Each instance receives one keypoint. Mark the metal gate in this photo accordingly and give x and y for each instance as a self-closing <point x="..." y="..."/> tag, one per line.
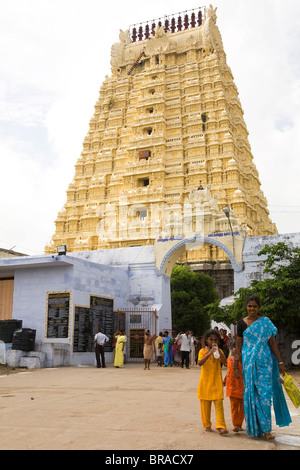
<point x="134" y="323"/>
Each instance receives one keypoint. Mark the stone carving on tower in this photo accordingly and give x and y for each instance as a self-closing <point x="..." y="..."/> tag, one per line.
<point x="167" y="146"/>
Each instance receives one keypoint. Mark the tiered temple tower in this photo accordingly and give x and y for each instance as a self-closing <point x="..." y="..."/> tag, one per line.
<point x="167" y="146"/>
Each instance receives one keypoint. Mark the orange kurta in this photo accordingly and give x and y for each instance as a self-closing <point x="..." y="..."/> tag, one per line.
<point x="234" y="390"/>
<point x="234" y="386"/>
<point x="210" y="384"/>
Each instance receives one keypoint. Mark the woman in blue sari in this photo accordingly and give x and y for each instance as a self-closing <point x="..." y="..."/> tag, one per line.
<point x="168" y="356"/>
<point x="261" y="366"/>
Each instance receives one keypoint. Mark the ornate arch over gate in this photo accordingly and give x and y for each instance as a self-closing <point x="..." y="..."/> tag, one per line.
<point x="167" y="252"/>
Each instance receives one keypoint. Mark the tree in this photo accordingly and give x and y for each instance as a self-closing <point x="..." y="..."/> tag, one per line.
<point x="279" y="292"/>
<point x="190" y="293"/>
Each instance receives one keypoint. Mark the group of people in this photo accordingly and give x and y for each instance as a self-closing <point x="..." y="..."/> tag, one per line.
<point x="176" y="350"/>
<point x="101" y="340"/>
<point x="169" y="350"/>
<point x="182" y="349"/>
<point x="253" y="369"/>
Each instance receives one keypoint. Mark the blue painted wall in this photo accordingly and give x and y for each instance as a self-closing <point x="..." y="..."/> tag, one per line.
<point x="128" y="275"/>
<point x="81" y="278"/>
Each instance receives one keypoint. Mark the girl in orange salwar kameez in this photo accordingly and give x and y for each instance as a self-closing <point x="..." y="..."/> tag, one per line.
<point x="234" y="390"/>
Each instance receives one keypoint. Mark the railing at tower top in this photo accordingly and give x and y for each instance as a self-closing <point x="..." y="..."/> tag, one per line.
<point x="173" y="23"/>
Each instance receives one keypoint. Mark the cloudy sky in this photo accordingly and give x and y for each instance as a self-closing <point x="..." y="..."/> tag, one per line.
<point x="56" y="53"/>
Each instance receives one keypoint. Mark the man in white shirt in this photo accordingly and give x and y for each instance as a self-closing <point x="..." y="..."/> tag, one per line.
<point x="99" y="341"/>
<point x="185" y="348"/>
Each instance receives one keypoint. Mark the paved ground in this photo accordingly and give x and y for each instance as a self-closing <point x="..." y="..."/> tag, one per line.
<point x="82" y="408"/>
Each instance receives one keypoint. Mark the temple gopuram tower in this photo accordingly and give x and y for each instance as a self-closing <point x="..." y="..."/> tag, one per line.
<point x="167" y="147"/>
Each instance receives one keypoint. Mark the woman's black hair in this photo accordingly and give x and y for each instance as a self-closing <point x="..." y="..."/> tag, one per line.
<point x="210" y="333"/>
<point x="253" y="298"/>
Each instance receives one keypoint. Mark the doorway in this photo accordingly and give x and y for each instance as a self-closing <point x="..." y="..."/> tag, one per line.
<point x="134" y="323"/>
<point x="6" y="297"/>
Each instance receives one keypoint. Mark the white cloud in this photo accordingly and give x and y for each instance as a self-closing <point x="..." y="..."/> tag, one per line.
<point x="54" y="57"/>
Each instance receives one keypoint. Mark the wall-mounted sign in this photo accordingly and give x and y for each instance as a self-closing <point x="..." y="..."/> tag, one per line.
<point x="58" y="315"/>
<point x="99" y="315"/>
<point x="135" y="318"/>
<point x="223" y="234"/>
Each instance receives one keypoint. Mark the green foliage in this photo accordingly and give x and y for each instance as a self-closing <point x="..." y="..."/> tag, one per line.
<point x="221" y="314"/>
<point x="190" y="293"/>
<point x="279" y="294"/>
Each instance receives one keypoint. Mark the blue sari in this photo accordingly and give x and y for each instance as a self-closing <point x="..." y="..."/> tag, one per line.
<point x="168" y="356"/>
<point x="260" y="375"/>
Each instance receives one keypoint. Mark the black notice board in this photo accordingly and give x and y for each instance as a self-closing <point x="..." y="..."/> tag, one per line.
<point x="100" y="315"/>
<point x="58" y="310"/>
<point x="82" y="328"/>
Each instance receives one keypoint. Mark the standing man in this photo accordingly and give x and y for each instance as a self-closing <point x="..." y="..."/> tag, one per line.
<point x="148" y="348"/>
<point x="185" y="348"/>
<point x="100" y="341"/>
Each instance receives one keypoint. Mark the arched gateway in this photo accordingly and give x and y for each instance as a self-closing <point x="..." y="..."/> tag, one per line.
<point x="168" y="251"/>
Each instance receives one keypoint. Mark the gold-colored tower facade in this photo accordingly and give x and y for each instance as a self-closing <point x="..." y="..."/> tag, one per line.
<point x="167" y="146"/>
